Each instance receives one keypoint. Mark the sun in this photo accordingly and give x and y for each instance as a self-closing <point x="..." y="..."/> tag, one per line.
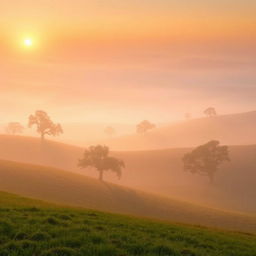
<point x="28" y="42"/>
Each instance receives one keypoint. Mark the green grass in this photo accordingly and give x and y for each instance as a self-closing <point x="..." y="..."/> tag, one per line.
<point x="30" y="227"/>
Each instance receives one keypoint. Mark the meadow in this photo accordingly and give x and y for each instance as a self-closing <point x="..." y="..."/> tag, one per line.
<point x="29" y="227"/>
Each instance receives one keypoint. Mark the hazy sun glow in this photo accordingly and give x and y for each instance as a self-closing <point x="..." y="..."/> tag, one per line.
<point x="28" y="42"/>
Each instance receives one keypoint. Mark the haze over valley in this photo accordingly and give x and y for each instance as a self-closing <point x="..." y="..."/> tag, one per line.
<point x="127" y="128"/>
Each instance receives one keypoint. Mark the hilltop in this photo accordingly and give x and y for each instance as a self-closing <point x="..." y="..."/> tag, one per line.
<point x="233" y="129"/>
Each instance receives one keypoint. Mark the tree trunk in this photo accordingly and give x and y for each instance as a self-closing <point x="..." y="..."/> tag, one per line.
<point x="42" y="137"/>
<point x="42" y="149"/>
<point x="101" y="175"/>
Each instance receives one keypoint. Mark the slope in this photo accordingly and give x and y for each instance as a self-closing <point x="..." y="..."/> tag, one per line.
<point x="235" y="129"/>
<point x="49" y="230"/>
<point x="73" y="189"/>
<point x="157" y="171"/>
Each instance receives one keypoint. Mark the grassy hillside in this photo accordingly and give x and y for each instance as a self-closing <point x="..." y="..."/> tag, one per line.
<point x="73" y="189"/>
<point x="29" y="227"/>
<point x="235" y="129"/>
<point x="158" y="171"/>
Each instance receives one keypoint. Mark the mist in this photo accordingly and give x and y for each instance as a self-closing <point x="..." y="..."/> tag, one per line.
<point x="118" y="114"/>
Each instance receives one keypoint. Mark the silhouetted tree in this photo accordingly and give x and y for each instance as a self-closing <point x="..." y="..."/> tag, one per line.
<point x="110" y="131"/>
<point x="44" y="124"/>
<point x="144" y="126"/>
<point x="210" y="112"/>
<point x="98" y="157"/>
<point x="14" y="128"/>
<point x="205" y="159"/>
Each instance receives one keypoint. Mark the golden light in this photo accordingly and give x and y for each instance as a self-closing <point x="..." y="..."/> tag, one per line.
<point x="28" y="42"/>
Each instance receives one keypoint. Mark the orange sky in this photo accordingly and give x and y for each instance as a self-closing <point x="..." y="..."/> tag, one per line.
<point x="124" y="61"/>
<point x="132" y="20"/>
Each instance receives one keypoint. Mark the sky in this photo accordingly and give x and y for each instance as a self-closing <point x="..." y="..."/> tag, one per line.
<point x="126" y="60"/>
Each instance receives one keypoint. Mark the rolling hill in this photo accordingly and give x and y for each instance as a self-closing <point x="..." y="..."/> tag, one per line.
<point x="64" y="187"/>
<point x="34" y="227"/>
<point x="234" y="129"/>
<point x="157" y="171"/>
<point x="162" y="171"/>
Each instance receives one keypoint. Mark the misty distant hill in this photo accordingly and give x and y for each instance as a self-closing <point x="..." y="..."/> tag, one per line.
<point x="64" y="187"/>
<point x="235" y="129"/>
<point x="81" y="133"/>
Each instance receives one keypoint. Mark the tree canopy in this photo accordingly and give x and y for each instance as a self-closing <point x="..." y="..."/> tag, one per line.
<point x="44" y="124"/>
<point x="98" y="158"/>
<point x="145" y="126"/>
<point x="14" y="128"/>
<point x="110" y="131"/>
<point x="205" y="159"/>
<point x="210" y="112"/>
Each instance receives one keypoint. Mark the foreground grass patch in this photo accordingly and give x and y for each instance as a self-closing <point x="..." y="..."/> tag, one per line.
<point x="32" y="228"/>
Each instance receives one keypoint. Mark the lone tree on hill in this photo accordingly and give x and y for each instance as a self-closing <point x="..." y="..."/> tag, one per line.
<point x="110" y="131"/>
<point x="210" y="112"/>
<point x="98" y="157"/>
<point x="44" y="124"/>
<point x="145" y="126"/>
<point x="205" y="159"/>
<point x="14" y="128"/>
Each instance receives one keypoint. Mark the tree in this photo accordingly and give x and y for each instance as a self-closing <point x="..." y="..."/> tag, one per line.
<point x="14" y="128"/>
<point x="110" y="131"/>
<point x="144" y="126"/>
<point x="44" y="124"/>
<point x="98" y="158"/>
<point x="205" y="159"/>
<point x="210" y="112"/>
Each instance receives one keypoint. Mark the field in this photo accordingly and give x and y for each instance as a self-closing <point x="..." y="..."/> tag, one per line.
<point x="29" y="227"/>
